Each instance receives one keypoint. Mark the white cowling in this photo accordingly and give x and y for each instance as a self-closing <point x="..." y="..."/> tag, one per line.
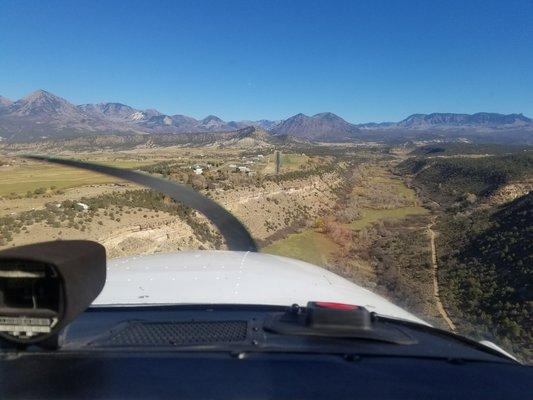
<point x="230" y="277"/>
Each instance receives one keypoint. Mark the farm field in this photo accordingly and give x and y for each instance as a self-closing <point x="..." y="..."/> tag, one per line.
<point x="24" y="176"/>
<point x="289" y="162"/>
<point x="370" y="216"/>
<point x="309" y="245"/>
<point x="21" y="179"/>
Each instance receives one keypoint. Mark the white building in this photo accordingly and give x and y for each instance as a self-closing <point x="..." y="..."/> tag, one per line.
<point x="83" y="206"/>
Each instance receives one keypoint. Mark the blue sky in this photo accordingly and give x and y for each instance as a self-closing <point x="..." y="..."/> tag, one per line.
<point x="364" y="60"/>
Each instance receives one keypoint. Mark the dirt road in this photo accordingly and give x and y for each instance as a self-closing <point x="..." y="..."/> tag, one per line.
<point x="434" y="266"/>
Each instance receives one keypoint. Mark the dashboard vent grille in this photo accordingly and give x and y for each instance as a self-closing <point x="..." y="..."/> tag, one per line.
<point x="176" y="334"/>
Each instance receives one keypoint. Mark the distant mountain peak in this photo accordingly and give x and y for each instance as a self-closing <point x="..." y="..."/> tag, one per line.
<point x="40" y="95"/>
<point x="39" y="92"/>
<point x="212" y="122"/>
<point x="322" y="126"/>
<point x="42" y="113"/>
<point x="300" y="116"/>
<point x="113" y="105"/>
<point x="210" y="118"/>
<point x="42" y="102"/>
<point x="328" y="116"/>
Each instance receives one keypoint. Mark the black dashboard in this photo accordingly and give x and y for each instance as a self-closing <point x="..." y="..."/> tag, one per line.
<point x="225" y="352"/>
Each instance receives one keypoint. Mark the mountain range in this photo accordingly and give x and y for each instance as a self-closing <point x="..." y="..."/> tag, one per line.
<point x="449" y="120"/>
<point x="43" y="114"/>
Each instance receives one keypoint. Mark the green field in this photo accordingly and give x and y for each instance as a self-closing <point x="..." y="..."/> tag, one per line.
<point x="380" y="176"/>
<point x="369" y="216"/>
<point x="289" y="162"/>
<point x="308" y="245"/>
<point x="399" y="187"/>
<point x="316" y="248"/>
<point x="293" y="160"/>
<point x="29" y="176"/>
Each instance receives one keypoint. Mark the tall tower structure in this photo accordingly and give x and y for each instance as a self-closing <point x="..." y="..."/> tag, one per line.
<point x="278" y="161"/>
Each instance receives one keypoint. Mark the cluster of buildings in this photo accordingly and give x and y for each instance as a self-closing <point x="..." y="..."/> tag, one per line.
<point x="244" y="166"/>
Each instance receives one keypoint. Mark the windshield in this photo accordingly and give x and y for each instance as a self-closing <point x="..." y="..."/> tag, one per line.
<point x="360" y="138"/>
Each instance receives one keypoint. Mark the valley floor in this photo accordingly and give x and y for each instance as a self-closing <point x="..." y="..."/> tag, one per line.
<point x="345" y="215"/>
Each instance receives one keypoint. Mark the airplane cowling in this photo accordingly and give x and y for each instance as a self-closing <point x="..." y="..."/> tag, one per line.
<point x="232" y="277"/>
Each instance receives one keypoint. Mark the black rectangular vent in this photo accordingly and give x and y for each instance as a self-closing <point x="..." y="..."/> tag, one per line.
<point x="176" y="334"/>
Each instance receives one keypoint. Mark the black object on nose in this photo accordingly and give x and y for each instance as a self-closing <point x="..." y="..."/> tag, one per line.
<point x="44" y="286"/>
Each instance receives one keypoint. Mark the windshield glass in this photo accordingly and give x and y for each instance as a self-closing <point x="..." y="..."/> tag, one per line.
<point x="282" y="115"/>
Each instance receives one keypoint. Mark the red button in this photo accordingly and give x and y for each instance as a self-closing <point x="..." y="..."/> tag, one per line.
<point x="336" y="306"/>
